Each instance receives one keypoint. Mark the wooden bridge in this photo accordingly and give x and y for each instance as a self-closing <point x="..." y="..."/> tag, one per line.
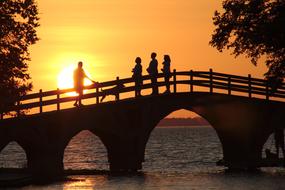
<point x="223" y="83"/>
<point x="243" y="110"/>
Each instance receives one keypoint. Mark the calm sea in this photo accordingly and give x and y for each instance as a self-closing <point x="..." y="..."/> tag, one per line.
<point x="176" y="158"/>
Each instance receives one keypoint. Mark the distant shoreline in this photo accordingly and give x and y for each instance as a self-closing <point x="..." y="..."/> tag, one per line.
<point x="171" y="122"/>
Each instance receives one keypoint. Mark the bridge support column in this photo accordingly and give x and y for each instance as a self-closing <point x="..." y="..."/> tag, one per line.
<point x="45" y="164"/>
<point x="243" y="149"/>
<point x="3" y="144"/>
<point x="241" y="155"/>
<point x="4" y="138"/>
<point x="123" y="155"/>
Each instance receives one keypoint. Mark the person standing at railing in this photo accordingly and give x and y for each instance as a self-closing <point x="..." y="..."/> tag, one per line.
<point x="137" y="76"/>
<point x="78" y="79"/>
<point x="152" y="71"/>
<point x="166" y="72"/>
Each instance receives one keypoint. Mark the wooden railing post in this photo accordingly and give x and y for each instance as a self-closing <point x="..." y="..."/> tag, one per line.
<point x="249" y="86"/>
<point x="97" y="97"/>
<point x="18" y="108"/>
<point x="174" y="81"/>
<point x="211" y="81"/>
<point x="229" y="86"/>
<point x="58" y="100"/>
<point x="41" y="100"/>
<point x="118" y="93"/>
<point x="267" y="91"/>
<point x="191" y="81"/>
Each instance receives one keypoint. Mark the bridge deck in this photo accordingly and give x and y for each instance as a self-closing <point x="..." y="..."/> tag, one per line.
<point x="188" y="81"/>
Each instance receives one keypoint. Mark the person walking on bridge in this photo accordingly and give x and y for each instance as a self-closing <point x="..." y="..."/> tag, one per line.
<point x="78" y="79"/>
<point x="152" y="70"/>
<point x="137" y="76"/>
<point x="166" y="72"/>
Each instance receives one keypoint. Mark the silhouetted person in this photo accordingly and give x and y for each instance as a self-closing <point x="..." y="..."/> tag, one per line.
<point x="78" y="79"/>
<point x="279" y="141"/>
<point x="152" y="70"/>
<point x="137" y="76"/>
<point x="166" y="72"/>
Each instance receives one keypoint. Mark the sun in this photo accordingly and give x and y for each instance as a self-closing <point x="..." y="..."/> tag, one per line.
<point x="65" y="78"/>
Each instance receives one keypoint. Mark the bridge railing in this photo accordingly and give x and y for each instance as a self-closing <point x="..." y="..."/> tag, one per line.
<point x="224" y="83"/>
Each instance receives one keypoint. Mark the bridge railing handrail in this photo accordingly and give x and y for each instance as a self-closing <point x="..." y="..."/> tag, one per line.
<point x="210" y="79"/>
<point x="221" y="76"/>
<point x="202" y="74"/>
<point x="92" y="86"/>
<point x="73" y="98"/>
<point x="237" y="79"/>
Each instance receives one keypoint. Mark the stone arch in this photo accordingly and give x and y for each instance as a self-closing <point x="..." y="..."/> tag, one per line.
<point x="85" y="150"/>
<point x="13" y="155"/>
<point x="274" y="121"/>
<point x="166" y="105"/>
<point x="242" y="124"/>
<point x="269" y="144"/>
<point x="190" y="110"/>
<point x="169" y="145"/>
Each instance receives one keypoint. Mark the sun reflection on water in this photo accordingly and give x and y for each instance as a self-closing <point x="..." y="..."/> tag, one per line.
<point x="82" y="184"/>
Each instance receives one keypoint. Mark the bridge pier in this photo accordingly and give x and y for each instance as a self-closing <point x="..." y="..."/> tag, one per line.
<point x="123" y="155"/>
<point x="45" y="163"/>
<point x="241" y="153"/>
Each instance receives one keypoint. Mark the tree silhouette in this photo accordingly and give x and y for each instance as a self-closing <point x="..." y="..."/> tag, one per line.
<point x="254" y="28"/>
<point x="18" y="20"/>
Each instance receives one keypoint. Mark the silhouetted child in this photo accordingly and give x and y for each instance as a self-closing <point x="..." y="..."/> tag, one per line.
<point x="78" y="79"/>
<point x="137" y="76"/>
<point x="152" y="70"/>
<point x="166" y="72"/>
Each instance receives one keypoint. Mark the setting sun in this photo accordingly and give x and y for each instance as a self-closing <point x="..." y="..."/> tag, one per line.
<point x="65" y="78"/>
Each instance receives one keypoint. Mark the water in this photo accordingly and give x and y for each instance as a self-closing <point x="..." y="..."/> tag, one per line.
<point x="176" y="158"/>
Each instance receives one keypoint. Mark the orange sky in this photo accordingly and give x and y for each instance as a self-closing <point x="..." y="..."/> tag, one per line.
<point x="107" y="35"/>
